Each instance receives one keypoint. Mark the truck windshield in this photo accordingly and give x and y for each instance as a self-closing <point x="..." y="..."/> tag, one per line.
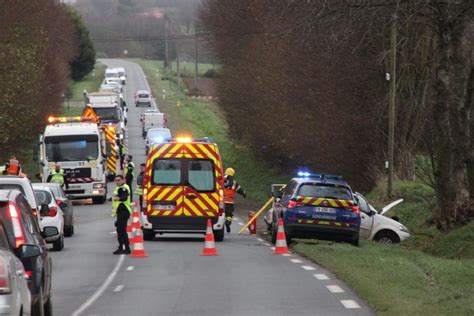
<point x="72" y="148"/>
<point x="108" y="114"/>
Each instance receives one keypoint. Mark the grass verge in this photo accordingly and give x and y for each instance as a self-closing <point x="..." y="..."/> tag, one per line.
<point x="91" y="82"/>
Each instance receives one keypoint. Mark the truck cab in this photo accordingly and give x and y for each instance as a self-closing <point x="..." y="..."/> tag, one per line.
<point x="79" y="149"/>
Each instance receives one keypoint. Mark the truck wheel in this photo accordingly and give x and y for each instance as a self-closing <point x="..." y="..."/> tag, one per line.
<point x="219" y="235"/>
<point x="148" y="234"/>
<point x="98" y="200"/>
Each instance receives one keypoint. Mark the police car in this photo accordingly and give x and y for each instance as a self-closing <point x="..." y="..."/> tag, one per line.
<point x="316" y="205"/>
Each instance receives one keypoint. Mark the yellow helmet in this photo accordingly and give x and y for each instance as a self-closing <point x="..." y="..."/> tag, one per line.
<point x="230" y="172"/>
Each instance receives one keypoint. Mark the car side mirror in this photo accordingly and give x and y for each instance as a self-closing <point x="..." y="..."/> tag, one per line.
<point x="372" y="213"/>
<point x="50" y="233"/>
<point x="44" y="209"/>
<point x="28" y="251"/>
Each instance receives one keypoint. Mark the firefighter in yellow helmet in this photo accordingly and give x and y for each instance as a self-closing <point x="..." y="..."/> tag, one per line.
<point x="230" y="188"/>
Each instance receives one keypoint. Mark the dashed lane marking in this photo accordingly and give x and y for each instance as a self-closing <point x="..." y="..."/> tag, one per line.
<point x="101" y="289"/>
<point x="335" y="289"/>
<point x="308" y="268"/>
<point x="130" y="268"/>
<point x="296" y="261"/>
<point x="350" y="304"/>
<point x="267" y="244"/>
<point x="259" y="239"/>
<point x="119" y="288"/>
<point x="286" y="254"/>
<point x="321" y="276"/>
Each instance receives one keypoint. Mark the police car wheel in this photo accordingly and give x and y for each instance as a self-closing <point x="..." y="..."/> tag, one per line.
<point x="148" y="234"/>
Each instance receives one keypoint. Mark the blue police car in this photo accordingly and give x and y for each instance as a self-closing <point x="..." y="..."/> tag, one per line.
<point x="316" y="205"/>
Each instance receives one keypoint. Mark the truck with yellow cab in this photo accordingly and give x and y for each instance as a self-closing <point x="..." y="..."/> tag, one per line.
<point x="77" y="144"/>
<point x="183" y="188"/>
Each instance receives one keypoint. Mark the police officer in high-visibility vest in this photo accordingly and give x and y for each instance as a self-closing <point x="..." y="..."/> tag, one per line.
<point x="139" y="187"/>
<point x="230" y="188"/>
<point x="129" y="173"/>
<point x="58" y="176"/>
<point x="121" y="209"/>
<point x="122" y="150"/>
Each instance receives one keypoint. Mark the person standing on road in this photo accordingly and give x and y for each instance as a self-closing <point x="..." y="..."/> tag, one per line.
<point x="130" y="173"/>
<point x="58" y="176"/>
<point x="230" y="188"/>
<point x="121" y="209"/>
<point x="121" y="147"/>
<point x="139" y="187"/>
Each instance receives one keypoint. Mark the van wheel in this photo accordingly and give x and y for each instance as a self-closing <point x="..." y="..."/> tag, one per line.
<point x="219" y="235"/>
<point x="148" y="234"/>
<point x="38" y="308"/>
<point x="48" y="307"/>
<point x="58" y="245"/>
<point x="387" y="237"/>
<point x="98" y="200"/>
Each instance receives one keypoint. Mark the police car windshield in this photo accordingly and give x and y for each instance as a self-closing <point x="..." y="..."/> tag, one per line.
<point x="72" y="148"/>
<point x="108" y="114"/>
<point x="324" y="191"/>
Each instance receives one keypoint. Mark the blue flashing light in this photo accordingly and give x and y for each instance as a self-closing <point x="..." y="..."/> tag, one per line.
<point x="322" y="176"/>
<point x="304" y="174"/>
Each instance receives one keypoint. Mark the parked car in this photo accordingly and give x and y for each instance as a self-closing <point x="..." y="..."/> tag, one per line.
<point x="317" y="206"/>
<point x="24" y="185"/>
<point x="143" y="97"/>
<point x="156" y="135"/>
<point x="29" y="244"/>
<point x="375" y="226"/>
<point x="51" y="214"/>
<point x="66" y="205"/>
<point x="15" y="297"/>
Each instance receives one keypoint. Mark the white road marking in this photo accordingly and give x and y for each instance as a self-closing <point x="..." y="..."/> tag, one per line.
<point x="308" y="268"/>
<point x="119" y="288"/>
<point x="296" y="261"/>
<point x="101" y="289"/>
<point x="350" y="304"/>
<point x="260" y="239"/>
<point x="321" y="276"/>
<point x="112" y="233"/>
<point x="267" y="244"/>
<point x="286" y="254"/>
<point x="130" y="268"/>
<point x="335" y="289"/>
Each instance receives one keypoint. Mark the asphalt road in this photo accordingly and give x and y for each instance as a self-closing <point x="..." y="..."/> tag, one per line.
<point x="246" y="279"/>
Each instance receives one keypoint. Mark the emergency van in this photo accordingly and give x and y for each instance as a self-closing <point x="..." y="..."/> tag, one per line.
<point x="77" y="144"/>
<point x="151" y="119"/>
<point x="183" y="188"/>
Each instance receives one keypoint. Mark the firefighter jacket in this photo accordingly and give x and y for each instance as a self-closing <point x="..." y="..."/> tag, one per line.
<point x="230" y="188"/>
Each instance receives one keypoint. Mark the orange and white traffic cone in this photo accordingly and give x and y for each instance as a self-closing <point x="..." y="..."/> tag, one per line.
<point x="281" y="247"/>
<point x="131" y="237"/>
<point x="209" y="244"/>
<point x="138" y="247"/>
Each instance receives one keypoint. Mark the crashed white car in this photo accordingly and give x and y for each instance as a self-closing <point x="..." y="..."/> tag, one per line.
<point x="375" y="226"/>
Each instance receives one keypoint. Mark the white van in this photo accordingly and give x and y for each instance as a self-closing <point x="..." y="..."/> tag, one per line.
<point x="122" y="74"/>
<point x="111" y="73"/>
<point x="151" y="119"/>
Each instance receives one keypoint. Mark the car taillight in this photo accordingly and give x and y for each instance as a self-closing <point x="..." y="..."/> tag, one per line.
<point x="293" y="204"/>
<point x="28" y="274"/>
<point x="58" y="202"/>
<point x="53" y="210"/>
<point x="17" y="228"/>
<point x="356" y="209"/>
<point x="5" y="287"/>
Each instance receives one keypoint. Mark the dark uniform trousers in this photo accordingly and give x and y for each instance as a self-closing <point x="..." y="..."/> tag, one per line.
<point x="122" y="219"/>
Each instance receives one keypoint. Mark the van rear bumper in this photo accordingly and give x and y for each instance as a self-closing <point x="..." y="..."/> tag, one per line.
<point x="182" y="224"/>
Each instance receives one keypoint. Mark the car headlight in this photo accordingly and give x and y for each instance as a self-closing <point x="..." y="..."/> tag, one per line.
<point x="98" y="186"/>
<point x="403" y="229"/>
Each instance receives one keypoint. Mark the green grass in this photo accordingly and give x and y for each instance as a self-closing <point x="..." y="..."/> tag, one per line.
<point x="72" y="111"/>
<point x="204" y="118"/>
<point x="397" y="281"/>
<point x="90" y="83"/>
<point x="187" y="69"/>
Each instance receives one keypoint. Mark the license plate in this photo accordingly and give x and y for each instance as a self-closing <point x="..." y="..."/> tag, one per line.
<point x="325" y="210"/>
<point x="159" y="207"/>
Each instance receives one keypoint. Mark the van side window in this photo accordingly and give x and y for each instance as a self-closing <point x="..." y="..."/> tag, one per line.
<point x="166" y="171"/>
<point x="201" y="175"/>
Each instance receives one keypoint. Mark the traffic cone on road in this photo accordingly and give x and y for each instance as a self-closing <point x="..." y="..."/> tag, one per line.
<point x="281" y="247"/>
<point x="136" y="224"/>
<point x="131" y="237"/>
<point x="138" y="247"/>
<point x="209" y="244"/>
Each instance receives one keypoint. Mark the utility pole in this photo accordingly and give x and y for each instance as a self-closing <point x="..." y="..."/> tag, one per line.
<point x="166" y="63"/>
<point x="178" y="75"/>
<point x="196" y="80"/>
<point x="392" y="98"/>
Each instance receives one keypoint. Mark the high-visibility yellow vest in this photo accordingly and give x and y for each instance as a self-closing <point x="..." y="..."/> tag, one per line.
<point x="57" y="176"/>
<point x="138" y="190"/>
<point x="127" y="203"/>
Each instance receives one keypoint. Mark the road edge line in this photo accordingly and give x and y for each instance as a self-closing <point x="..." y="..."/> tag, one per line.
<point x="101" y="289"/>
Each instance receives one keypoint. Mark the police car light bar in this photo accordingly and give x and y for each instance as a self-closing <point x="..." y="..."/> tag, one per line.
<point x="70" y="119"/>
<point x="322" y="176"/>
